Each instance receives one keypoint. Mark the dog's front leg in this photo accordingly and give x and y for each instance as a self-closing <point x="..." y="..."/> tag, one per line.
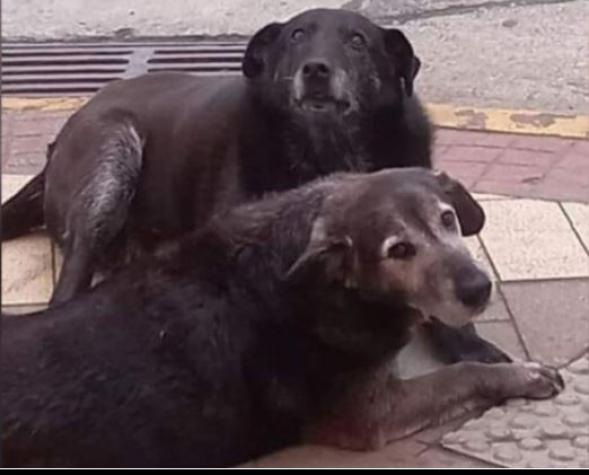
<point x="377" y="408"/>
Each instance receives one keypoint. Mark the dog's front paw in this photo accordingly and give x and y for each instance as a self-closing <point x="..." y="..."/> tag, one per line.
<point x="535" y="381"/>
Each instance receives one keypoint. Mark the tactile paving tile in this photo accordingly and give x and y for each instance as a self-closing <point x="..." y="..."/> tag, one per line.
<point x="533" y="434"/>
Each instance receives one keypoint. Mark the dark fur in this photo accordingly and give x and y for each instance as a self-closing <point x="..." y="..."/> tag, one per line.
<point x="200" y="145"/>
<point x="213" y="352"/>
<point x="208" y="143"/>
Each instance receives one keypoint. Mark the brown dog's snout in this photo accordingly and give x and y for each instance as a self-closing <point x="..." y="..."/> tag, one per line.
<point x="473" y="287"/>
<point x="316" y="69"/>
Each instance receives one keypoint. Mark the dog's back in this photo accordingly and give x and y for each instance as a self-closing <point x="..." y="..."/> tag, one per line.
<point x="153" y="375"/>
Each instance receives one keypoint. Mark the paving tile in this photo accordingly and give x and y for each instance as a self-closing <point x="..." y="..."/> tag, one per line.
<point x="538" y="143"/>
<point x="433" y="435"/>
<point x="27" y="270"/>
<point x="579" y="216"/>
<point x="438" y="153"/>
<point x="417" y="358"/>
<point x="26" y="262"/>
<point x="490" y="197"/>
<point x="475" y="247"/>
<point x="496" y="309"/>
<point x="24" y="164"/>
<point x="466" y="173"/>
<point x="552" y="317"/>
<point x="450" y="137"/>
<point x="569" y="176"/>
<point x="561" y="185"/>
<point x="532" y="240"/>
<point x="436" y="457"/>
<point x="504" y="336"/>
<point x="582" y="146"/>
<point x="512" y="173"/>
<point x="469" y="153"/>
<point x="528" y="158"/>
<point x="12" y="183"/>
<point x="32" y="123"/>
<point x="575" y="160"/>
<point x="403" y="453"/>
<point x="551" y="433"/>
<point x="514" y="189"/>
<point x="463" y="137"/>
<point x="22" y="309"/>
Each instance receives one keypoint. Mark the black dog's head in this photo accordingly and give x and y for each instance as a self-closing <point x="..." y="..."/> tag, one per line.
<point x="331" y="62"/>
<point x="397" y="235"/>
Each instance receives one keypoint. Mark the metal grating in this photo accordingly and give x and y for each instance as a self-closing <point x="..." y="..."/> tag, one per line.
<point x="81" y="69"/>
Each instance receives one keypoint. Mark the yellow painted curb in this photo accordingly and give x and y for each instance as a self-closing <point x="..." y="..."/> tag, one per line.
<point x="509" y="121"/>
<point x="443" y="115"/>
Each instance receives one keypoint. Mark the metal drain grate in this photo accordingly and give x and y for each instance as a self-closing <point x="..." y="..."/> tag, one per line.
<point x="81" y="69"/>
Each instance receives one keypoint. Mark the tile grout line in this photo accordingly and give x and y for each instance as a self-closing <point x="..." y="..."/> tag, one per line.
<point x="487" y="168"/>
<point x="573" y="227"/>
<point x="546" y="279"/>
<point x="505" y="301"/>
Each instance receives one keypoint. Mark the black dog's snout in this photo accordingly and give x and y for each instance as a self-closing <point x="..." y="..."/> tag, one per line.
<point x="473" y="288"/>
<point x="316" y="69"/>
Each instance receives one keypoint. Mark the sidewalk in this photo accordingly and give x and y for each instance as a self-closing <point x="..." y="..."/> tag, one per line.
<point x="535" y="191"/>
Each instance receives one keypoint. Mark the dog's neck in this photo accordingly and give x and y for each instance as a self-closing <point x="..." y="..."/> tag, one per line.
<point x="265" y="238"/>
<point x="325" y="145"/>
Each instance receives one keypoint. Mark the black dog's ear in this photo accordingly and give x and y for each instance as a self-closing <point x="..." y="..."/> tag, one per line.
<point x="470" y="214"/>
<point x="253" y="60"/>
<point x="324" y="255"/>
<point x="398" y="46"/>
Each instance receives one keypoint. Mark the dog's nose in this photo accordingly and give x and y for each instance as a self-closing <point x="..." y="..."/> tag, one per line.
<point x="473" y="288"/>
<point x="318" y="69"/>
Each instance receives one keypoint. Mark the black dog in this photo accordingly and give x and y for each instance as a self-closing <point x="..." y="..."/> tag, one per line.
<point x="151" y="158"/>
<point x="277" y="319"/>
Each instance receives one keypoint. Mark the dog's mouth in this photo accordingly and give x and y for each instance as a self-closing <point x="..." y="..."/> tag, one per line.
<point x="323" y="104"/>
<point x="456" y="319"/>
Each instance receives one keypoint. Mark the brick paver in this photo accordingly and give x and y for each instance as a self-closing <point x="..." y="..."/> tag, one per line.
<point x="516" y="165"/>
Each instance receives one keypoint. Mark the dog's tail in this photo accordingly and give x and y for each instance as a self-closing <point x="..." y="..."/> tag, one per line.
<point x="23" y="212"/>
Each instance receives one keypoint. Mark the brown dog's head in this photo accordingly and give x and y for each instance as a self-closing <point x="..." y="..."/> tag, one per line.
<point x="397" y="234"/>
<point x="331" y="62"/>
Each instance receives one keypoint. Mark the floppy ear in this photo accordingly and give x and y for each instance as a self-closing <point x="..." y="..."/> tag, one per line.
<point x="253" y="60"/>
<point x="470" y="214"/>
<point x="398" y="46"/>
<point x="324" y="255"/>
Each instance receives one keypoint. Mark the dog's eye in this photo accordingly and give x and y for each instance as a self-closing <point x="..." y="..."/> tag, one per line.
<point x="402" y="250"/>
<point x="448" y="220"/>
<point x="358" y="41"/>
<point x="297" y="35"/>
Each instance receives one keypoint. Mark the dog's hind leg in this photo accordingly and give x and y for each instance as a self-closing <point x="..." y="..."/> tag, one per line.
<point x="101" y="208"/>
<point x="378" y="408"/>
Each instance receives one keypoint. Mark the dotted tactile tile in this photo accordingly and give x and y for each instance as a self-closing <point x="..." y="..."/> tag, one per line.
<point x="533" y="434"/>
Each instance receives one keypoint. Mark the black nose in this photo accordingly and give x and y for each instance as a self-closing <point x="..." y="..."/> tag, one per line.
<point x="317" y="69"/>
<point x="473" y="288"/>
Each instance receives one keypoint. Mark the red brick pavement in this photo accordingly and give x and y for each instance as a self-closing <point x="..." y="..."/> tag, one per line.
<point x="519" y="165"/>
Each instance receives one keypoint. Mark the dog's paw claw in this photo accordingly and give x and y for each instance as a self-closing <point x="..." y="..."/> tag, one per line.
<point x="540" y="382"/>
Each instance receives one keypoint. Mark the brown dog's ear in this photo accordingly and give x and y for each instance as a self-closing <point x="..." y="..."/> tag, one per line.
<point x="398" y="46"/>
<point x="253" y="60"/>
<point x="470" y="214"/>
<point x="324" y="255"/>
